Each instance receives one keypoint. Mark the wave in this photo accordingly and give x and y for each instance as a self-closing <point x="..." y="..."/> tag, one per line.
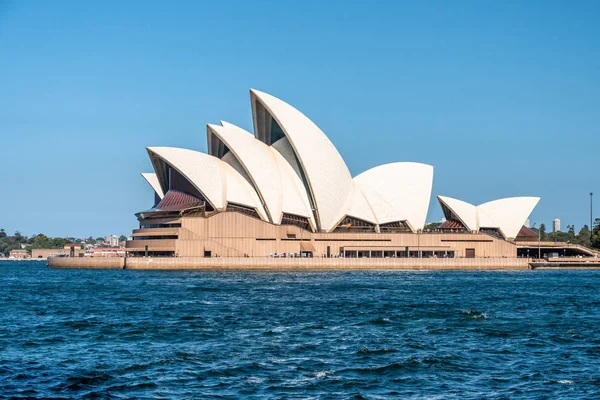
<point x="384" y="350"/>
<point x="475" y="314"/>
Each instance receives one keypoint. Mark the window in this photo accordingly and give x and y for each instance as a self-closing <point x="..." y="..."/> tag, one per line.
<point x="291" y="219"/>
<point x="276" y="131"/>
<point x="354" y="224"/>
<point x="397" y="226"/>
<point x="155" y="237"/>
<point x="242" y="209"/>
<point x="149" y="226"/>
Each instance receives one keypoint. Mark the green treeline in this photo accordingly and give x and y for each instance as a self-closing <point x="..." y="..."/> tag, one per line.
<point x="582" y="238"/>
<point x="41" y="241"/>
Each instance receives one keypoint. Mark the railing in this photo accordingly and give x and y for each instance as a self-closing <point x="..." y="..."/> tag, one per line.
<point x="535" y="244"/>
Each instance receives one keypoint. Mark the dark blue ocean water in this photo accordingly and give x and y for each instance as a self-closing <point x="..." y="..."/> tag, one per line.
<point x="462" y="335"/>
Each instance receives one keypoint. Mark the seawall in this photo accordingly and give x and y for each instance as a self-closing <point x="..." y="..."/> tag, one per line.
<point x="87" y="262"/>
<point x="282" y="264"/>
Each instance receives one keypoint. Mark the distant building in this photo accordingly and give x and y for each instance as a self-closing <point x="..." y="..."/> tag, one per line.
<point x="556" y="225"/>
<point x="527" y="223"/>
<point x="112" y="240"/>
<point x="74" y="250"/>
<point x="108" y="252"/>
<point x="19" y="254"/>
<point x="69" y="250"/>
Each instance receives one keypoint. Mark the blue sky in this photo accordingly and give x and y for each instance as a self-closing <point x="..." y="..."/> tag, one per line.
<point x="501" y="97"/>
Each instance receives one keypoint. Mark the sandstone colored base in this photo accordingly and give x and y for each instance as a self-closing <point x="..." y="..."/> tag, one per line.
<point x="241" y="263"/>
<point x="89" y="263"/>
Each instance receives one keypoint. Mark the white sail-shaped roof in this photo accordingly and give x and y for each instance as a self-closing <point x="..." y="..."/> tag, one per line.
<point x="461" y="210"/>
<point x="508" y="215"/>
<point x="218" y="181"/>
<point x="398" y="192"/>
<point x="259" y="163"/>
<point x="273" y="178"/>
<point x="293" y="194"/>
<point x="328" y="180"/>
<point x="152" y="180"/>
<point x="360" y="207"/>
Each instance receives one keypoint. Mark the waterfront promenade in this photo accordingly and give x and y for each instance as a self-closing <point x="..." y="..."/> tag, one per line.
<point x="268" y="263"/>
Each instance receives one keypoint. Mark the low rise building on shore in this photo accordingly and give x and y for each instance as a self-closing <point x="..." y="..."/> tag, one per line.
<point x="69" y="250"/>
<point x="107" y="252"/>
<point x="19" y="254"/>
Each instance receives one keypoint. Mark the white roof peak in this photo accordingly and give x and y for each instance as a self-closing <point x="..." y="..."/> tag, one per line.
<point x="507" y="214"/>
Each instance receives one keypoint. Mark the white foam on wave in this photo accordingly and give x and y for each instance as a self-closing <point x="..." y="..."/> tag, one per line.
<point x="475" y="314"/>
<point x="565" y="382"/>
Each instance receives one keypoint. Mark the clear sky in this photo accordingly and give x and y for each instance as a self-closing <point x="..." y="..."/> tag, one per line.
<point x="502" y="98"/>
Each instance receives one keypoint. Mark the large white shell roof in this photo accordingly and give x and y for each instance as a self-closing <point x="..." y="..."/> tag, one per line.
<point x="218" y="181"/>
<point x="507" y="214"/>
<point x="398" y="192"/>
<point x="329" y="181"/>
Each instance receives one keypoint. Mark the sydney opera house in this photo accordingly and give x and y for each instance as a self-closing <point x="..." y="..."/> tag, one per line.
<point x="286" y="191"/>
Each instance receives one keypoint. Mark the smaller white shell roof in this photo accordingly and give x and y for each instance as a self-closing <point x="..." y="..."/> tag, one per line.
<point x="507" y="214"/>
<point x="258" y="162"/>
<point x="398" y="192"/>
<point x="218" y="181"/>
<point x="152" y="180"/>
<point x="465" y="212"/>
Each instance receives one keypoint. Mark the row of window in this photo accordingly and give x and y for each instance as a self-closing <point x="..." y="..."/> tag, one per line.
<point x="155" y="237"/>
<point x="149" y="226"/>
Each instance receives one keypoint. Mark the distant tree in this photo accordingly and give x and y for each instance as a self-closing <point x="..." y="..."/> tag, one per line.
<point x="542" y="232"/>
<point x="2" y="233"/>
<point x="571" y="229"/>
<point x="596" y="234"/>
<point x="99" y="239"/>
<point x="583" y="237"/>
<point x="42" y="241"/>
<point x="40" y="238"/>
<point x="122" y="238"/>
<point x="18" y="237"/>
<point x="560" y="237"/>
<point x="596" y="241"/>
<point x="58" y="243"/>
